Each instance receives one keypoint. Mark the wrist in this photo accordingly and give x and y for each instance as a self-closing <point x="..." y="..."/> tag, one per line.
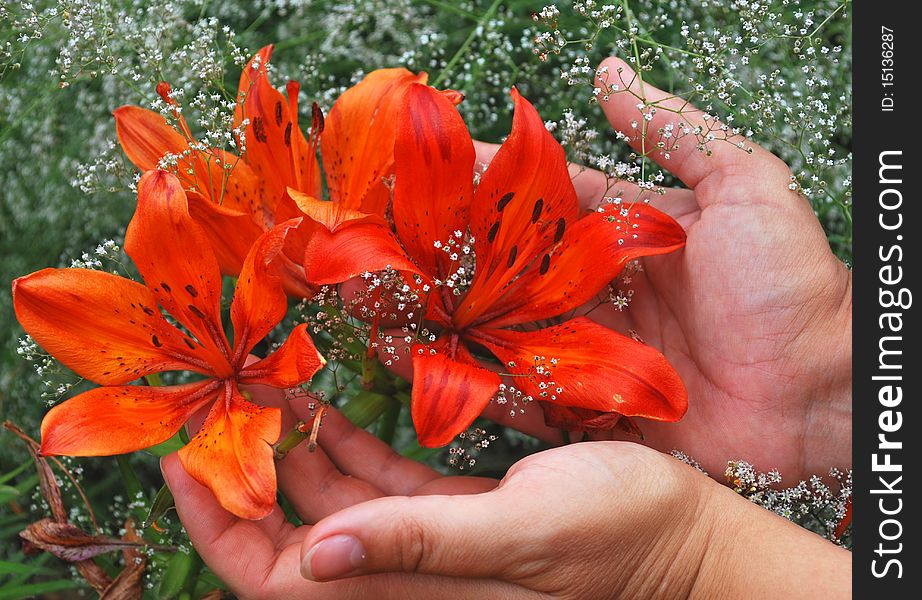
<point x="828" y="421"/>
<point x="671" y="544"/>
<point x="751" y="552"/>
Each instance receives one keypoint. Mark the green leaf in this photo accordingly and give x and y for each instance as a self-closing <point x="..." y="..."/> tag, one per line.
<point x="15" y="568"/>
<point x="163" y="502"/>
<point x="11" y="474"/>
<point x="364" y="408"/>
<point x="7" y="493"/>
<point x="168" y="447"/>
<point x="180" y="570"/>
<point x="32" y="590"/>
<point x="418" y="453"/>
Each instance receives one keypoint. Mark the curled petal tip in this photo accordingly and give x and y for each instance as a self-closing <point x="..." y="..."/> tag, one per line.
<point x="165" y="91"/>
<point x="453" y="96"/>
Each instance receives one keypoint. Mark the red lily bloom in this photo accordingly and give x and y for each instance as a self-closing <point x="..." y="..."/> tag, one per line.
<point x="536" y="259"/>
<point x="250" y="197"/>
<point x="110" y="330"/>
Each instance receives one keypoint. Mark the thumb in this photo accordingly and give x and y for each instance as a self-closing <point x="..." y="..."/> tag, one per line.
<point x="437" y="535"/>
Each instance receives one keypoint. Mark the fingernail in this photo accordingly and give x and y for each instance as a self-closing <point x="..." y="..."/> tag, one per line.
<point x="333" y="557"/>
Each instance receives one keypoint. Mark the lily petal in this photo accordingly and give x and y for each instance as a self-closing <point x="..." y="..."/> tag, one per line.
<point x="294" y="363"/>
<point x="591" y="253"/>
<point x="276" y="148"/>
<point x="523" y="203"/>
<point x="434" y="159"/>
<point x="146" y="138"/>
<point x="597" y="368"/>
<point x="117" y="420"/>
<point x="216" y="221"/>
<point x="573" y="418"/>
<point x="259" y="300"/>
<point x="232" y="454"/>
<point x="177" y="261"/>
<point x="450" y="390"/>
<point x="105" y="328"/>
<point x="353" y="249"/>
<point x="357" y="145"/>
<point x="330" y="214"/>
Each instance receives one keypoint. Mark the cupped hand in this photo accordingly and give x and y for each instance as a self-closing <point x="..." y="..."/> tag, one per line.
<point x="388" y="527"/>
<point x="590" y="520"/>
<point x="754" y="313"/>
<point x="261" y="559"/>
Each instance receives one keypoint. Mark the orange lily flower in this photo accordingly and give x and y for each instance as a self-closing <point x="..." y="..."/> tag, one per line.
<point x="247" y="195"/>
<point x="536" y="259"/>
<point x="110" y="330"/>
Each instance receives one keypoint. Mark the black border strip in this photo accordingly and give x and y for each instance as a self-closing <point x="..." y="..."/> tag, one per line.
<point x="886" y="265"/>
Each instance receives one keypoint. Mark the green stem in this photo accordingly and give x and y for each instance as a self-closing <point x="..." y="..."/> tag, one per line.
<point x="387" y="426"/>
<point x="291" y="440"/>
<point x="462" y="51"/>
<point x="452" y="8"/>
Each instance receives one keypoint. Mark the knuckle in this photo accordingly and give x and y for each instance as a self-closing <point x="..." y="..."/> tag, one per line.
<point x="412" y="544"/>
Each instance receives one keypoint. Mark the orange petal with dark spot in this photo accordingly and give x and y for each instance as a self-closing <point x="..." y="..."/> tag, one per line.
<point x="232" y="454"/>
<point x="177" y="262"/>
<point x="597" y="368"/>
<point x="259" y="300"/>
<point x="276" y="148"/>
<point x="117" y="420"/>
<point x="105" y="328"/>
<point x="520" y="201"/>
<point x="591" y="253"/>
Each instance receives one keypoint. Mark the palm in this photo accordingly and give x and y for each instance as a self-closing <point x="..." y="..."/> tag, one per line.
<point x="736" y="313"/>
<point x="754" y="312"/>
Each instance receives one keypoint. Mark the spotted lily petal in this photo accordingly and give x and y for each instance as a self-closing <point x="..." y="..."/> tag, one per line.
<point x="116" y="420"/>
<point x="259" y="300"/>
<point x="232" y="454"/>
<point x="591" y="253"/>
<point x="177" y="261"/>
<point x="594" y="367"/>
<point x="523" y="202"/>
<point x="105" y="328"/>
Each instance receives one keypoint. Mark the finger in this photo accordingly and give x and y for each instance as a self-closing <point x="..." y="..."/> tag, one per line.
<point x="622" y="91"/>
<point x="312" y="482"/>
<point x="436" y="535"/>
<point x="593" y="187"/>
<point x="316" y="488"/>
<point x="263" y="557"/>
<point x="358" y="453"/>
<point x="218" y="535"/>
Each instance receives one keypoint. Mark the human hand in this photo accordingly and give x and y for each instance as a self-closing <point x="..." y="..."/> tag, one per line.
<point x="261" y="559"/>
<point x="591" y="520"/>
<point x="754" y="313"/>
